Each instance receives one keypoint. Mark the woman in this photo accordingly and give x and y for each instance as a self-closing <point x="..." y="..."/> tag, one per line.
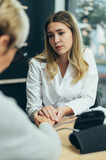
<point x="63" y="78"/>
<point x="19" y="138"/>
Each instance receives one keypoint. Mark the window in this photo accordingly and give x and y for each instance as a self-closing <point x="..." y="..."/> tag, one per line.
<point x="92" y="21"/>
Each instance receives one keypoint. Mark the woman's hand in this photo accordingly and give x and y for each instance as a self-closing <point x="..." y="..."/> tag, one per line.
<point x="62" y="111"/>
<point x="42" y="119"/>
<point x="49" y="112"/>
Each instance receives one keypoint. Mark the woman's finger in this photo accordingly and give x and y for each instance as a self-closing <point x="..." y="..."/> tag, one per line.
<point x="40" y="113"/>
<point x="45" y="112"/>
<point x="51" y="114"/>
<point x="35" y="119"/>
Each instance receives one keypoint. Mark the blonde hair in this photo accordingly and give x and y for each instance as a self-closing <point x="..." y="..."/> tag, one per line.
<point x="14" y="22"/>
<point x="75" y="55"/>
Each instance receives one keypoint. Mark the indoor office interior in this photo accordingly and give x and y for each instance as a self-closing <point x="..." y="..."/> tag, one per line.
<point x="91" y="16"/>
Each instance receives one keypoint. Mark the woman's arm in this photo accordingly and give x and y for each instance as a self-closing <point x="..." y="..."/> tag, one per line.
<point x="34" y="88"/>
<point x="88" y="92"/>
<point x="62" y="111"/>
<point x="34" y="93"/>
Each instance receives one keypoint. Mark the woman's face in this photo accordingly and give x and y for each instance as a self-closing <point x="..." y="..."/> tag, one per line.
<point x="60" y="37"/>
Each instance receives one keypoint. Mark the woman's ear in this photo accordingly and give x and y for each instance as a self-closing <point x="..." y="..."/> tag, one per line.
<point x="4" y="40"/>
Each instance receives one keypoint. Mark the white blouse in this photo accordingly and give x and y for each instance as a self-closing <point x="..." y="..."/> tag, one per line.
<point x="60" y="92"/>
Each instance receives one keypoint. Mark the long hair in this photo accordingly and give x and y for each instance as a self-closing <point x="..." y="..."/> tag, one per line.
<point x="76" y="53"/>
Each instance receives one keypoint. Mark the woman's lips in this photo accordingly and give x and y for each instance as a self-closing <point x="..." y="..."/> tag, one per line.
<point x="59" y="47"/>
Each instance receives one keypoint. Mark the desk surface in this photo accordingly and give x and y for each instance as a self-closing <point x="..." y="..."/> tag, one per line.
<point x="68" y="150"/>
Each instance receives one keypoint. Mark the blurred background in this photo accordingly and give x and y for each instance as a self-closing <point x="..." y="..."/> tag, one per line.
<point x="91" y="16"/>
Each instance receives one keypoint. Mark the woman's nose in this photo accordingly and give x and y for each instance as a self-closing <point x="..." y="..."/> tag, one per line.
<point x="56" y="39"/>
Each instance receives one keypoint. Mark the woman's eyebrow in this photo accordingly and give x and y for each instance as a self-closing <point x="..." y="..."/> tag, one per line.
<point x="56" y="30"/>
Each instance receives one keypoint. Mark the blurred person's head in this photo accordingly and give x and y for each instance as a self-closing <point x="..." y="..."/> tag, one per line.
<point x="14" y="29"/>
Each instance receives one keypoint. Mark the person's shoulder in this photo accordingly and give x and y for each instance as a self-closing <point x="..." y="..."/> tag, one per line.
<point x="89" y="56"/>
<point x="35" y="62"/>
<point x="5" y="99"/>
<point x="88" y="53"/>
<point x="7" y="104"/>
<point x="11" y="115"/>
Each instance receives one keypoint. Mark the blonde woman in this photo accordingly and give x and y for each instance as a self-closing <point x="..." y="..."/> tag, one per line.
<point x="19" y="138"/>
<point x="63" y="78"/>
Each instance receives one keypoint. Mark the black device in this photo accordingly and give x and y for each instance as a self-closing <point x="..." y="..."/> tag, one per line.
<point x="91" y="136"/>
<point x="89" y="119"/>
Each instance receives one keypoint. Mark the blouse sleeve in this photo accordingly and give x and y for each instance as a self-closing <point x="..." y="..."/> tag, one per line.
<point x="33" y="88"/>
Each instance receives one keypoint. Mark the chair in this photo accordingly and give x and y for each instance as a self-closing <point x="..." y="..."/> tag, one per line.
<point x="97" y="101"/>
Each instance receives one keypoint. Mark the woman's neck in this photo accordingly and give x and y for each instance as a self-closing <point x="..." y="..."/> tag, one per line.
<point x="63" y="60"/>
<point x="63" y="63"/>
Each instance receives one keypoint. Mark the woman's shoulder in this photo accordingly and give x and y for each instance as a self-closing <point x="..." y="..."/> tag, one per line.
<point x="87" y="51"/>
<point x="35" y="62"/>
<point x="89" y="55"/>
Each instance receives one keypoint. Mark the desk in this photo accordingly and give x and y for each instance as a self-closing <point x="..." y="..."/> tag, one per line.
<point x="68" y="151"/>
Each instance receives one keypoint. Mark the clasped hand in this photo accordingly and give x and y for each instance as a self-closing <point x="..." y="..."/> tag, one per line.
<point x="51" y="115"/>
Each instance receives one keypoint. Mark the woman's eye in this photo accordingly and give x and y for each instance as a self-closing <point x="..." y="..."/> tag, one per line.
<point x="50" y="36"/>
<point x="61" y="33"/>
